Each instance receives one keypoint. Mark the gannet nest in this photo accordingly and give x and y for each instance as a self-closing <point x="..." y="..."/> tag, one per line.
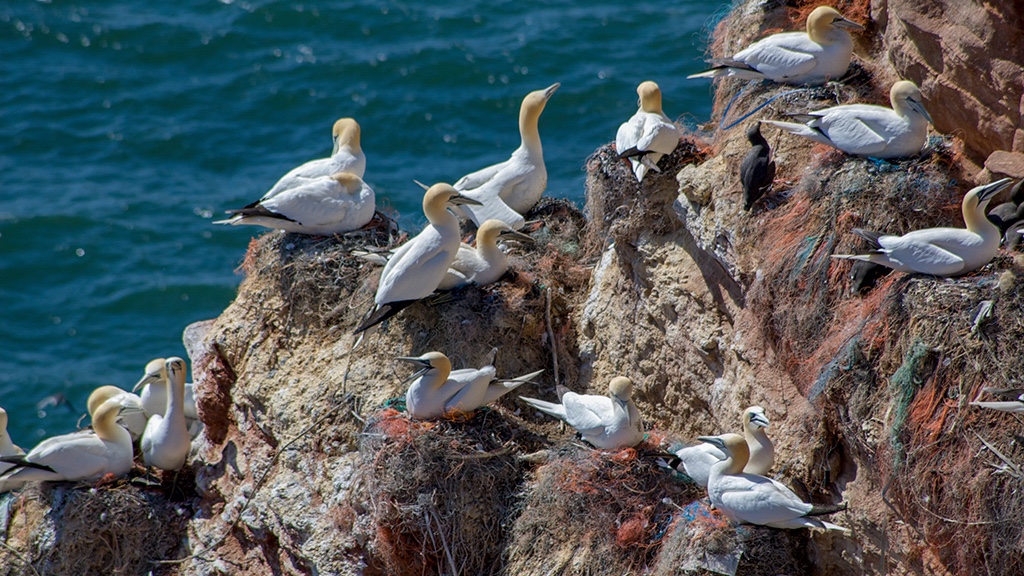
<point x="595" y="512"/>
<point x="910" y="349"/>
<point x="118" y="529"/>
<point x="626" y="209"/>
<point x="441" y="493"/>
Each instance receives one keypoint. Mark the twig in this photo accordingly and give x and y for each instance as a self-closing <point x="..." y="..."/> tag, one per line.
<point x="551" y="334"/>
<point x="19" y="557"/>
<point x="444" y="542"/>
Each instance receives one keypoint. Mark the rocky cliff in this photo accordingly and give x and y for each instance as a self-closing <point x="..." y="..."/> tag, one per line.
<point x="308" y="465"/>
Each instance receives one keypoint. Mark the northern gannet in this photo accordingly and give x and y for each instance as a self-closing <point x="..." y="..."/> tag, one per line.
<point x="609" y="422"/>
<point x="940" y="251"/>
<point x="1003" y="406"/>
<point x="7" y="447"/>
<point x="437" y="390"/>
<point x="485" y="263"/>
<point x="866" y="129"/>
<point x="757" y="171"/>
<point x="419" y="265"/>
<point x="86" y="455"/>
<point x="508" y="190"/>
<point x="696" y="461"/>
<point x="347" y="156"/>
<point x="166" y="441"/>
<point x="754" y="499"/>
<point x="649" y="134"/>
<point x="132" y="415"/>
<point x="153" y="389"/>
<point x="822" y="53"/>
<point x="321" y="206"/>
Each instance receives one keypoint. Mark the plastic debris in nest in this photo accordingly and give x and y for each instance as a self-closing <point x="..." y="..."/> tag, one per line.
<point x="312" y="276"/>
<point x="60" y="528"/>
<point x="594" y="512"/>
<point x="441" y="493"/>
<point x="701" y="540"/>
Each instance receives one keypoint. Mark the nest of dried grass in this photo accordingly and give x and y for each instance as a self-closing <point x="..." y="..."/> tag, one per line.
<point x="700" y="541"/>
<point x="64" y="529"/>
<point x="441" y="493"/>
<point x="802" y="290"/>
<point x="306" y="282"/>
<point x="626" y="209"/>
<point x="954" y="473"/>
<point x="595" y="512"/>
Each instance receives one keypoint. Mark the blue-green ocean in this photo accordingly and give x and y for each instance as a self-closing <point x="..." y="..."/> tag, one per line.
<point x="126" y="127"/>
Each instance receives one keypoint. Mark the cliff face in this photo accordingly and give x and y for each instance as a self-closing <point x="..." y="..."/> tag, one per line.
<point x="968" y="59"/>
<point x="307" y="465"/>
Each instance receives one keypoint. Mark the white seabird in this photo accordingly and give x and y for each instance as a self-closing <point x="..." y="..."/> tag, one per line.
<point x="419" y="265"/>
<point x="649" y="134"/>
<point x="485" y="263"/>
<point x="166" y="441"/>
<point x="609" y="422"/>
<point x="866" y="129"/>
<point x="509" y="189"/>
<point x="480" y="265"/>
<point x="153" y="390"/>
<point x="822" y="53"/>
<point x="755" y="499"/>
<point x="132" y="416"/>
<point x="940" y="251"/>
<point x="7" y="447"/>
<point x="437" y="390"/>
<point x="86" y="455"/>
<point x="347" y="156"/>
<point x="322" y="206"/>
<point x="696" y="461"/>
<point x="1003" y="406"/>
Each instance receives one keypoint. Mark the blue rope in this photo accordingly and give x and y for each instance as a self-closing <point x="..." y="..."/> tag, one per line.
<point x="725" y="115"/>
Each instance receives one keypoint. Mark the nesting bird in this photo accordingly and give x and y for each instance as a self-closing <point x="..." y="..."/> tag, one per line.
<point x="347" y="156"/>
<point x="511" y="188"/>
<point x="609" y="422"/>
<point x="754" y="499"/>
<point x="649" y="134"/>
<point x="813" y="57"/>
<point x="132" y="415"/>
<point x="85" y="455"/>
<point x="437" y="390"/>
<point x="166" y="442"/>
<point x="757" y="171"/>
<point x="320" y="206"/>
<point x="419" y="265"/>
<point x="696" y="461"/>
<point x="866" y="129"/>
<point x="485" y="263"/>
<point x="154" y="394"/>
<point x="940" y="251"/>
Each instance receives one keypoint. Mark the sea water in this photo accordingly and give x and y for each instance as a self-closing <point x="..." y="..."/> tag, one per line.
<point x="127" y="127"/>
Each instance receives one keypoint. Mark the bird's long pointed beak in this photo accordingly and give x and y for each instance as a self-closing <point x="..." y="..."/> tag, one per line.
<point x="551" y="90"/>
<point x="460" y="199"/>
<point x="421" y="184"/>
<point x="919" y="108"/>
<point x="147" y="379"/>
<point x="760" y="420"/>
<point x="713" y="440"/>
<point x="848" y="24"/>
<point x="516" y="235"/>
<point x="989" y="190"/>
